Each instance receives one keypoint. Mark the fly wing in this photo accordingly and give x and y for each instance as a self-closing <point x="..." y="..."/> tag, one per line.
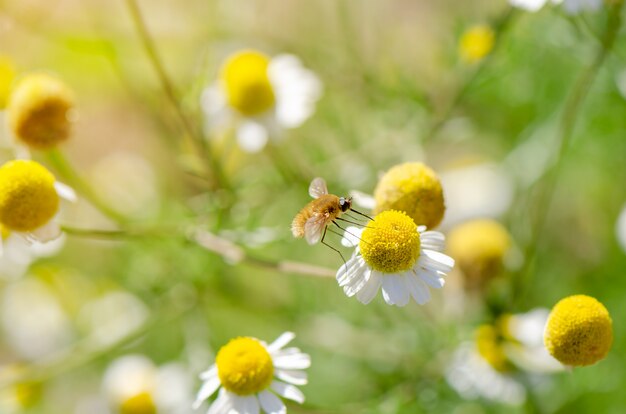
<point x="317" y="187"/>
<point x="314" y="228"/>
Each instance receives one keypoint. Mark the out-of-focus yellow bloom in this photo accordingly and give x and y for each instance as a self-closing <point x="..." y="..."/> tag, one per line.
<point x="392" y="243"/>
<point x="38" y="111"/>
<point x="579" y="331"/>
<point x="248" y="87"/>
<point x="476" y="43"/>
<point x="7" y="74"/>
<point x="479" y="247"/>
<point x="414" y="189"/>
<point x="489" y="343"/>
<point x="27" y="394"/>
<point x="28" y="197"/>
<point x="138" y="404"/>
<point x="244" y="366"/>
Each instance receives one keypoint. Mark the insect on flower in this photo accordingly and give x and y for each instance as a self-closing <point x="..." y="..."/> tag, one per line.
<point x="313" y="220"/>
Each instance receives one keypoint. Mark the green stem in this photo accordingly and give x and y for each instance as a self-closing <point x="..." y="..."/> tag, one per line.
<point x="568" y="120"/>
<point x="197" y="138"/>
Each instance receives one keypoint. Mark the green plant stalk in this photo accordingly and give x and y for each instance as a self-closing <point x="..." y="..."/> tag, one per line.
<point x="572" y="107"/>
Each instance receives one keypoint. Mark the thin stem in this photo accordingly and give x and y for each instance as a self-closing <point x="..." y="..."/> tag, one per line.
<point x="167" y="85"/>
<point x="570" y="115"/>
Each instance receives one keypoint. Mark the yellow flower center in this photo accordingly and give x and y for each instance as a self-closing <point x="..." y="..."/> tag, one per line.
<point x="479" y="247"/>
<point x="390" y="243"/>
<point x="28" y="199"/>
<point x="7" y="73"/>
<point x="579" y="331"/>
<point x="414" y="189"/>
<point x="38" y="111"/>
<point x="476" y="43"/>
<point x="244" y="366"/>
<point x="248" y="87"/>
<point x="27" y="394"/>
<point x="139" y="404"/>
<point x="489" y="344"/>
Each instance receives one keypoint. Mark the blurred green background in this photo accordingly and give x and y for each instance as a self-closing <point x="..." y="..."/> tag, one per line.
<point x="395" y="90"/>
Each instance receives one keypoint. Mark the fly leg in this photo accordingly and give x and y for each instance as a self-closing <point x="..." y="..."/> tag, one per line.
<point x="326" y="244"/>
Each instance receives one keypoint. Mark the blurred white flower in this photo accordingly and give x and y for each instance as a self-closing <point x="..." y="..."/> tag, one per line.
<point x="18" y="254"/>
<point x="620" y="228"/>
<point x="112" y="317"/>
<point x="570" y="6"/>
<point x="249" y="375"/>
<point x="134" y="385"/>
<point x="259" y="97"/>
<point x="33" y="320"/>
<point x="502" y="353"/>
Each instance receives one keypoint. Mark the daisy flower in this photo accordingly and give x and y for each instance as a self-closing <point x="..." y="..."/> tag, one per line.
<point x="132" y="384"/>
<point x="393" y="253"/>
<point x="29" y="200"/>
<point x="18" y="253"/>
<point x="259" y="97"/>
<point x="493" y="366"/>
<point x="579" y="331"/>
<point x="249" y="375"/>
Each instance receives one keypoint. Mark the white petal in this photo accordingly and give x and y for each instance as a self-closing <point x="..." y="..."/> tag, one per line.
<point x="363" y="200"/>
<point x="48" y="232"/>
<point x="281" y="341"/>
<point x="297" y="89"/>
<point x="354" y="267"/>
<point x="418" y="289"/>
<point x="433" y="240"/>
<point x="65" y="191"/>
<point x="209" y="373"/>
<point x="431" y="259"/>
<point x="356" y="283"/>
<point x="529" y="5"/>
<point x="288" y="391"/>
<point x="271" y="404"/>
<point x="207" y="389"/>
<point x="370" y="289"/>
<point x="394" y="290"/>
<point x="252" y="136"/>
<point x="292" y="376"/>
<point x="431" y="277"/>
<point x="245" y="405"/>
<point x="298" y="361"/>
<point x="222" y="404"/>
<point x="351" y="237"/>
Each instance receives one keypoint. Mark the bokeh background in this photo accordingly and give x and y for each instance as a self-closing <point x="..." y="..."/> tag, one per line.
<point x="395" y="89"/>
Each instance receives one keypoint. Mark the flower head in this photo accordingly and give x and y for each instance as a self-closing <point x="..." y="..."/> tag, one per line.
<point x="480" y="248"/>
<point x="393" y="253"/>
<point x="570" y="6"/>
<point x="38" y="111"/>
<point x="414" y="189"/>
<point x="247" y="373"/>
<point x="579" y="331"/>
<point x="259" y="96"/>
<point x="476" y="43"/>
<point x="29" y="198"/>
<point x="7" y="74"/>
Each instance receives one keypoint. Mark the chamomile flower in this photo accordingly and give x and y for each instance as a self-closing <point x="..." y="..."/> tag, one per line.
<point x="29" y="200"/>
<point x="476" y="43"/>
<point x="18" y="254"/>
<point x="502" y="353"/>
<point x="394" y="254"/>
<point x="134" y="385"/>
<point x="414" y="189"/>
<point x="249" y="375"/>
<point x="480" y="248"/>
<point x="579" y="331"/>
<point x="259" y="97"/>
<point x="570" y="6"/>
<point x="39" y="111"/>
